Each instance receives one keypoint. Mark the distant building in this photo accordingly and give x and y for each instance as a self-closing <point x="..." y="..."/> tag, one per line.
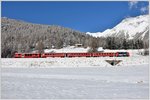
<point x="78" y="45"/>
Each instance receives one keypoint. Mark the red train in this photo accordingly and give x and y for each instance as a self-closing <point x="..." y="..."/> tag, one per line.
<point x="62" y="55"/>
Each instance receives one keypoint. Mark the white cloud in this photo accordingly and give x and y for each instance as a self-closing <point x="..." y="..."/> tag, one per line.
<point x="138" y="6"/>
<point x="133" y="4"/>
<point x="144" y="9"/>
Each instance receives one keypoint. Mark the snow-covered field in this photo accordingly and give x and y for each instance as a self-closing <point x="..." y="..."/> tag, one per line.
<point x="75" y="78"/>
<point x="68" y="49"/>
<point x="128" y="82"/>
<point x="71" y="62"/>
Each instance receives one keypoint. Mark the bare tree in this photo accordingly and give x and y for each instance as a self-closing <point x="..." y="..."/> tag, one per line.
<point x="94" y="45"/>
<point x="40" y="47"/>
<point x="146" y="48"/>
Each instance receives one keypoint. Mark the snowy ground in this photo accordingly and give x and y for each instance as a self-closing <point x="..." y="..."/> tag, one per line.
<point x="128" y="82"/>
<point x="68" y="49"/>
<point x="75" y="78"/>
<point x="71" y="62"/>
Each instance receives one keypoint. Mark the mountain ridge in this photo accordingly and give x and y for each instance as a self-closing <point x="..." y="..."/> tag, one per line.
<point x="129" y="28"/>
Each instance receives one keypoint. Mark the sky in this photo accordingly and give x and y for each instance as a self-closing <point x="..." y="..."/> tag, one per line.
<point x="92" y="16"/>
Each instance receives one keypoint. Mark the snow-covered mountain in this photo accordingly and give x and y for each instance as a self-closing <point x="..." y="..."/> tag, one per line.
<point x="129" y="28"/>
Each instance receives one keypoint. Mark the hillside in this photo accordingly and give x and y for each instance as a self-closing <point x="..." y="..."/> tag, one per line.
<point x="129" y="28"/>
<point x="23" y="36"/>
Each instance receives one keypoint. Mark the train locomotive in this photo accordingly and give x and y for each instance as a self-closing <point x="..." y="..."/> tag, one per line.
<point x="69" y="55"/>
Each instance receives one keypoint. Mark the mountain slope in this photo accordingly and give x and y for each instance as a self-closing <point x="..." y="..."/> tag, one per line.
<point x="129" y="28"/>
<point x="23" y="36"/>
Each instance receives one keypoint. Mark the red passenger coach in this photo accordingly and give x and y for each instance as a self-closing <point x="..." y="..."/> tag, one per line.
<point x="27" y="55"/>
<point x="34" y="55"/>
<point x="103" y="54"/>
<point x="78" y="54"/>
<point x="18" y="55"/>
<point x="45" y="55"/>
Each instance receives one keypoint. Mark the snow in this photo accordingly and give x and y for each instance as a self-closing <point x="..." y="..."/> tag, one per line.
<point x="70" y="49"/>
<point x="67" y="49"/>
<point x="128" y="82"/>
<point x="128" y="27"/>
<point x="76" y="78"/>
<point x="71" y="62"/>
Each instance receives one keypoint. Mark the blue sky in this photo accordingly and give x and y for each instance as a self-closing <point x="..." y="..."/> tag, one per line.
<point x="82" y="16"/>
